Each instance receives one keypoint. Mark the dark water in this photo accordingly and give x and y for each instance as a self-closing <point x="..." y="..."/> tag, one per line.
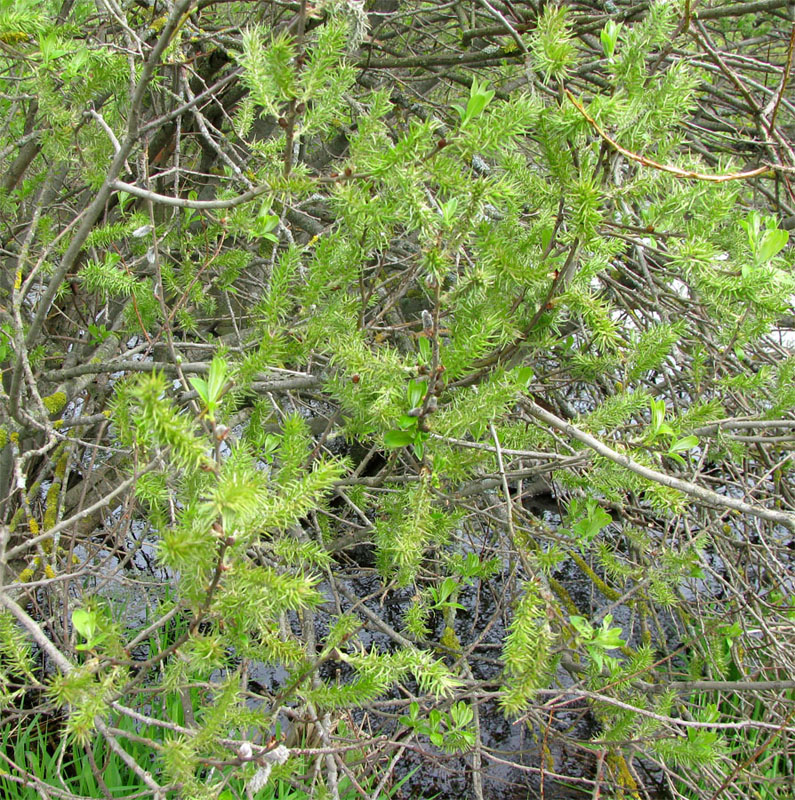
<point x="535" y="758"/>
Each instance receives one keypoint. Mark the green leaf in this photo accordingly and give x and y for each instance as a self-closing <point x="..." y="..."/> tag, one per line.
<point x="394" y="438"/>
<point x="406" y="421"/>
<point x="85" y="622"/>
<point x="461" y="713"/>
<point x="525" y="375"/>
<point x="582" y="626"/>
<point x="609" y="37"/>
<point x="211" y="390"/>
<point x="773" y="242"/>
<point x="90" y="645"/>
<point x="200" y="385"/>
<point x="597" y="657"/>
<point x="216" y="382"/>
<point x="657" y="414"/>
<point x="589" y="527"/>
<point x="415" y="392"/>
<point x="686" y="443"/>
<point x="608" y="638"/>
<point x="449" y="211"/>
<point x="479" y="98"/>
<point x="424" y="346"/>
<point x="264" y="224"/>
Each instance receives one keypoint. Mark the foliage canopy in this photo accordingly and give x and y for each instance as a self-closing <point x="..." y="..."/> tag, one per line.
<point x="377" y="369"/>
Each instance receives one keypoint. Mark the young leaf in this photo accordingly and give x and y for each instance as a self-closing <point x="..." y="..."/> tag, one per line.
<point x="588" y="528"/>
<point x="200" y="385"/>
<point x="525" y="375"/>
<point x="85" y="623"/>
<point x="415" y="393"/>
<point x="609" y="37"/>
<point x="394" y="439"/>
<point x="657" y="414"/>
<point x="479" y="98"/>
<point x="773" y="242"/>
<point x="407" y="421"/>
<point x="216" y="382"/>
<point x="582" y="626"/>
<point x="608" y="638"/>
<point x="461" y="714"/>
<point x="424" y="346"/>
<point x="686" y="443"/>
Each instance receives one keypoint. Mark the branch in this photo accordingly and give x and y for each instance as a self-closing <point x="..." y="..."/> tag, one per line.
<point x="646" y="162"/>
<point x="97" y="206"/>
<point x="184" y="202"/>
<point x="740" y="9"/>
<point x="86" y="512"/>
<point x="693" y="490"/>
<point x="36" y="633"/>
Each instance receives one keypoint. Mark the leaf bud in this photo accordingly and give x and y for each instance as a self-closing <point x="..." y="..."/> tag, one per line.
<point x="427" y="320"/>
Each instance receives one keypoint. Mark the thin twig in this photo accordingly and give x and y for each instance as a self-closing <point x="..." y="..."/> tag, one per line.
<point x="677" y="171"/>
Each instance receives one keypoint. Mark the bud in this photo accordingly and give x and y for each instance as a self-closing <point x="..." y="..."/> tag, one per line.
<point x="244" y="752"/>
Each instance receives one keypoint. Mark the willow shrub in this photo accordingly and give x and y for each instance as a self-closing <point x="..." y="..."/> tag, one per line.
<point x="261" y="307"/>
